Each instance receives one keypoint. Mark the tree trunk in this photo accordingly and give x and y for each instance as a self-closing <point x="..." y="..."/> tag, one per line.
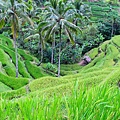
<point x="39" y="47"/>
<point x="112" y="28"/>
<point x="59" y="53"/>
<point x="75" y="34"/>
<point x="16" y="52"/>
<point x="41" y="53"/>
<point x="15" y="45"/>
<point x="53" y="47"/>
<point x="40" y="50"/>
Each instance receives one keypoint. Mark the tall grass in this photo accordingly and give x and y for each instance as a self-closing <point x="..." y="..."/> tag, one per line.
<point x="97" y="103"/>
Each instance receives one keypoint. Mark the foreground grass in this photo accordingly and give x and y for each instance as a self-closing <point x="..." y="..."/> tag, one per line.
<point x="98" y="103"/>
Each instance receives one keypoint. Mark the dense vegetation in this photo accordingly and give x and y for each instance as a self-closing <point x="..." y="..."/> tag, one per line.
<point x="42" y="44"/>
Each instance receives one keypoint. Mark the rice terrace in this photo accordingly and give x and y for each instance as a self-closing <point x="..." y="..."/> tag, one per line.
<point x="59" y="60"/>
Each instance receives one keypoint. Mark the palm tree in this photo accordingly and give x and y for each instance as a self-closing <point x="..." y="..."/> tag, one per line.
<point x="13" y="11"/>
<point x="58" y="22"/>
<point x="39" y="36"/>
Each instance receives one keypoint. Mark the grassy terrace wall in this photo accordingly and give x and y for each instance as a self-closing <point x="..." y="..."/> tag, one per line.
<point x="101" y="10"/>
<point x="104" y="68"/>
<point x="86" y="92"/>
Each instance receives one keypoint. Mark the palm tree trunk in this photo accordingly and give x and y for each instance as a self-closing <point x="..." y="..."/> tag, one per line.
<point x="16" y="52"/>
<point x="59" y="53"/>
<point x="112" y="28"/>
<point x="15" y="45"/>
<point x="16" y="55"/>
<point x="76" y="25"/>
<point x="40" y="49"/>
<point x="41" y="53"/>
<point x="53" y="46"/>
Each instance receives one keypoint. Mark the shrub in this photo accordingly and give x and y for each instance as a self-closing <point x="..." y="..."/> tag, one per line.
<point x="51" y="67"/>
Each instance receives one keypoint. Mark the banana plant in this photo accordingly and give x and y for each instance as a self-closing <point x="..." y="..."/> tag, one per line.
<point x="14" y="12"/>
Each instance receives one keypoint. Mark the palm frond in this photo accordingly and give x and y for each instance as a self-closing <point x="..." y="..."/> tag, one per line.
<point x="2" y="23"/>
<point x="71" y="26"/>
<point x="50" y="31"/>
<point x="42" y="24"/>
<point x="47" y="27"/>
<point x="31" y="37"/>
<point x="70" y="36"/>
<point x="27" y="18"/>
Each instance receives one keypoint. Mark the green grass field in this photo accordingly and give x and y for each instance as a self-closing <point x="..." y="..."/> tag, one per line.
<point x="83" y="92"/>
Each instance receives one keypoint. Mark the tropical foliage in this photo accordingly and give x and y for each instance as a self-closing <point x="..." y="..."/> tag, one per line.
<point x="45" y="43"/>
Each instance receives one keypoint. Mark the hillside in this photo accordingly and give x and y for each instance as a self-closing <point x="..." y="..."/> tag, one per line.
<point x="27" y="64"/>
<point x="59" y="60"/>
<point x="104" y="67"/>
<point x="86" y="92"/>
<point x="102" y="11"/>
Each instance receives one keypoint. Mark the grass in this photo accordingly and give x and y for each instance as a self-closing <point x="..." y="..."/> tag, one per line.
<point x="85" y="93"/>
<point x="35" y="72"/>
<point x="25" y="56"/>
<point x="4" y="88"/>
<point x="93" y="53"/>
<point x="97" y="103"/>
<point x="116" y="40"/>
<point x="21" y="66"/>
<point x="101" y="10"/>
<point x="6" y="63"/>
<point x="13" y="83"/>
<point x="13" y="94"/>
<point x="6" y="41"/>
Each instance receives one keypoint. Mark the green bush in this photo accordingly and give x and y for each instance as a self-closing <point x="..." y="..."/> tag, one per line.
<point x="51" y="67"/>
<point x="71" y="54"/>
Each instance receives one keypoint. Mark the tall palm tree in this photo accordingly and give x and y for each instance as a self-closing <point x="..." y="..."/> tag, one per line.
<point x="80" y="13"/>
<point x="59" y="22"/>
<point x="38" y="34"/>
<point x="13" y="11"/>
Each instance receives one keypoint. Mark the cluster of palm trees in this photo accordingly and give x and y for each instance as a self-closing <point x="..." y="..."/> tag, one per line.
<point x="57" y="16"/>
<point x="14" y="12"/>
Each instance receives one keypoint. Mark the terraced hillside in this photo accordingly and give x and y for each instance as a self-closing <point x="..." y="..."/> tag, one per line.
<point x="27" y="64"/>
<point x="104" y="68"/>
<point x="100" y="10"/>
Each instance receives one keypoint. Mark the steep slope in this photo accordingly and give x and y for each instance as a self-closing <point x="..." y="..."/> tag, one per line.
<point x="104" y="68"/>
<point x="27" y="65"/>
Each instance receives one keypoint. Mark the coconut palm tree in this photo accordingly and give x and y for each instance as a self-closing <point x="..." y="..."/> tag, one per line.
<point x="13" y="11"/>
<point x="58" y="11"/>
<point x="38" y="34"/>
